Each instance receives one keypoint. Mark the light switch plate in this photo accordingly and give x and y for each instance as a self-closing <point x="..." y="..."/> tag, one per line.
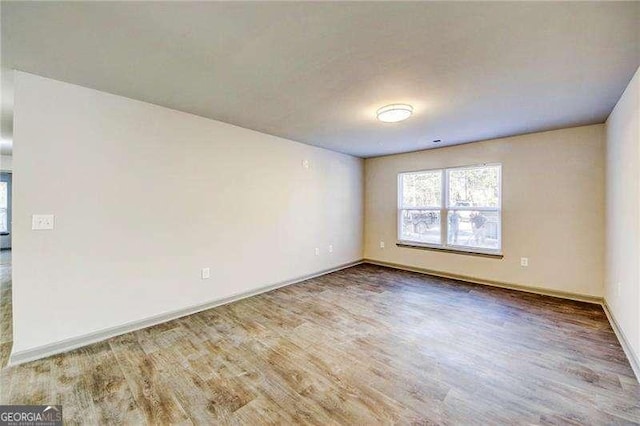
<point x="42" y="221"/>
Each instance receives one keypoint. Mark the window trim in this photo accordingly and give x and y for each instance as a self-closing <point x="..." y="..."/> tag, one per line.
<point x="463" y="251"/>
<point x="444" y="208"/>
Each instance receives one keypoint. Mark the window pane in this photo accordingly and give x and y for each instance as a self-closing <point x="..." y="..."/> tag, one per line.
<point x="474" y="187"/>
<point x="474" y="229"/>
<point x="3" y="195"/>
<point x="3" y="206"/>
<point x="422" y="189"/>
<point x="422" y="226"/>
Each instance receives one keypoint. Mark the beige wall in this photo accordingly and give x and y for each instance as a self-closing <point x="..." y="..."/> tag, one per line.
<point x="553" y="210"/>
<point x="622" y="280"/>
<point x="144" y="197"/>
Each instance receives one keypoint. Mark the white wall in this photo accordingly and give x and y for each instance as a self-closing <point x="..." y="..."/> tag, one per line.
<point x="553" y="210"/>
<point x="622" y="279"/>
<point x="144" y="197"/>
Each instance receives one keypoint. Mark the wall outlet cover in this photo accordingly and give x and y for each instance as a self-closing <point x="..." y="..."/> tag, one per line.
<point x="42" y="221"/>
<point x="205" y="273"/>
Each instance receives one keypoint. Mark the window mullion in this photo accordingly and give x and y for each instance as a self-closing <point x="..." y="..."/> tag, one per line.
<point x="400" y="204"/>
<point x="444" y="223"/>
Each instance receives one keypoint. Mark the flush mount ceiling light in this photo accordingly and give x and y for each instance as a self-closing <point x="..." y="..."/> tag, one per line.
<point x="394" y="113"/>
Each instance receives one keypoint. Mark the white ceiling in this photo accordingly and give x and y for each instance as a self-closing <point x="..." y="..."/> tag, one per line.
<point x="316" y="72"/>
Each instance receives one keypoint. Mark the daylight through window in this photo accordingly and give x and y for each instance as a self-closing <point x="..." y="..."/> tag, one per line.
<point x="457" y="208"/>
<point x="4" y="197"/>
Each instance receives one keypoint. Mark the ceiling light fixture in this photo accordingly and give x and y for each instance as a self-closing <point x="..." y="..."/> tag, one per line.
<point x="394" y="113"/>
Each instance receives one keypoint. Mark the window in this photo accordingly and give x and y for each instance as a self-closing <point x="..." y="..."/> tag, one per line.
<point x="421" y="207"/>
<point x="457" y="208"/>
<point x="4" y="198"/>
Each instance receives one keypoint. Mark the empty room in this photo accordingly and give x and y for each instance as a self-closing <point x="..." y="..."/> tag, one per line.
<point x="321" y="213"/>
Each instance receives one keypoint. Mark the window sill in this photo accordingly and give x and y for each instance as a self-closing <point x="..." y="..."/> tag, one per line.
<point x="449" y="250"/>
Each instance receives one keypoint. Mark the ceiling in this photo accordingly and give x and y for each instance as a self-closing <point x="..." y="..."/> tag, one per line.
<point x="316" y="72"/>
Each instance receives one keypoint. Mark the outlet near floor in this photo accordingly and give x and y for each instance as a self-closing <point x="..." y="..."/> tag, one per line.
<point x="205" y="273"/>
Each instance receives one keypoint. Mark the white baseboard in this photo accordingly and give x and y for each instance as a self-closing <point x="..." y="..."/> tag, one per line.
<point x="474" y="280"/>
<point x="624" y="342"/>
<point x="77" y="342"/>
<point x="98" y="336"/>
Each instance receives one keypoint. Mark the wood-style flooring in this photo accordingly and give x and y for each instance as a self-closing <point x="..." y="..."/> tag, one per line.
<point x="6" y="322"/>
<point x="366" y="345"/>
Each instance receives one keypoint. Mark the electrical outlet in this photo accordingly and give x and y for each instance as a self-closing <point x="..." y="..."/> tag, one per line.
<point x="381" y="244"/>
<point x="305" y="164"/>
<point x="330" y="248"/>
<point x="205" y="273"/>
<point x="317" y="251"/>
<point x="524" y="261"/>
<point x="42" y="221"/>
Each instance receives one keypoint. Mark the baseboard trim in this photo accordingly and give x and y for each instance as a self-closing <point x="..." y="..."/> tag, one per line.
<point x="624" y="342"/>
<point x="529" y="289"/>
<point x="88" y="339"/>
<point x="98" y="336"/>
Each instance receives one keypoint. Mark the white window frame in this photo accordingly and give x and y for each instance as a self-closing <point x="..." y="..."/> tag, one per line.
<point x="444" y="212"/>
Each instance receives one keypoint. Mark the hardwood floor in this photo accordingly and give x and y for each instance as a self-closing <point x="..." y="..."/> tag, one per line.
<point x="366" y="345"/>
<point x="6" y="331"/>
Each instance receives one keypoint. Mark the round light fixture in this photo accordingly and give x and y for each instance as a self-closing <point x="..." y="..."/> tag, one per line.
<point x="394" y="113"/>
